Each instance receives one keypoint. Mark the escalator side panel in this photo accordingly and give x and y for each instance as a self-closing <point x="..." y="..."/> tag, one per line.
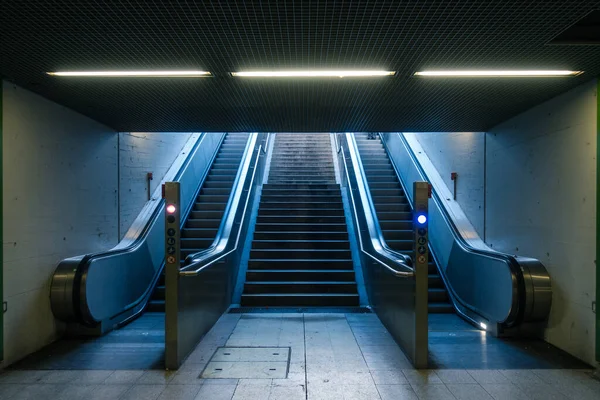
<point x="107" y="288"/>
<point x="487" y="287"/>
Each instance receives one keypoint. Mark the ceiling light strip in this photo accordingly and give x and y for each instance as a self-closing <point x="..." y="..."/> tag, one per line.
<point x="157" y="73"/>
<point x="499" y="73"/>
<point x="312" y="73"/>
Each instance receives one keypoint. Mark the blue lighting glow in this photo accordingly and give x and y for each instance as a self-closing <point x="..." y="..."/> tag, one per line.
<point x="421" y="219"/>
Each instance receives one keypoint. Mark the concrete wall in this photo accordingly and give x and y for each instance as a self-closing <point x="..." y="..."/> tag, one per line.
<point x="463" y="153"/>
<point x="140" y="153"/>
<point x="541" y="202"/>
<point x="60" y="200"/>
<point x="61" y="177"/>
<point x="539" y="171"/>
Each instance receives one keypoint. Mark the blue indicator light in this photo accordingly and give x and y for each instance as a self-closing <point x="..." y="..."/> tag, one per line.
<point x="421" y="219"/>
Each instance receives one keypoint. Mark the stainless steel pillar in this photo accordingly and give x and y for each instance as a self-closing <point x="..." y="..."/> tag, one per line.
<point x="421" y="195"/>
<point x="172" y="266"/>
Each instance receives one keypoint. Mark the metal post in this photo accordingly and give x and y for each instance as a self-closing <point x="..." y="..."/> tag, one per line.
<point x="172" y="265"/>
<point x="454" y="177"/>
<point x="421" y="192"/>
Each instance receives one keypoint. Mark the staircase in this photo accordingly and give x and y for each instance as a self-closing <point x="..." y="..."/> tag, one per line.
<point x="204" y="220"/>
<point x="394" y="213"/>
<point x="300" y="254"/>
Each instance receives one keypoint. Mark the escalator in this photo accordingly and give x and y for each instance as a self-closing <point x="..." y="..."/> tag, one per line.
<point x="497" y="292"/>
<point x="95" y="293"/>
<point x="394" y="212"/>
<point x="202" y="224"/>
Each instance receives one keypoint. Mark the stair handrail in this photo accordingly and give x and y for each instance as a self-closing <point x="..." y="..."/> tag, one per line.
<point x="198" y="262"/>
<point x="373" y="227"/>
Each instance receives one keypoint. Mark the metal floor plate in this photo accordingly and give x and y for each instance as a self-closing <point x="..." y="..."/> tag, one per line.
<point x="248" y="363"/>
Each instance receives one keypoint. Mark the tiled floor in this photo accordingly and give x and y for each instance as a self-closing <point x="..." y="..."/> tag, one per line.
<point x="333" y="356"/>
<point x="455" y="344"/>
<point x="139" y="345"/>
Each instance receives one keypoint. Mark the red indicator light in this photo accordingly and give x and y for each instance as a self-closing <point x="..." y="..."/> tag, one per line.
<point x="171" y="209"/>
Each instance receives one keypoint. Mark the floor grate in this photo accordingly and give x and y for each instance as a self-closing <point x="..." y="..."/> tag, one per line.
<point x="248" y="363"/>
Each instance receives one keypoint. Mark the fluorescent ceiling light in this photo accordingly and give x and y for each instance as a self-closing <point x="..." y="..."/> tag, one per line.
<point x="312" y="73"/>
<point x="499" y="73"/>
<point x="159" y="73"/>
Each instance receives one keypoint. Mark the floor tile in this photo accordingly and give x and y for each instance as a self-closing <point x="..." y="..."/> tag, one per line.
<point x="422" y="377"/>
<point x="186" y="378"/>
<point x="325" y="392"/>
<point x="262" y="382"/>
<point x="31" y="391"/>
<point x="179" y="392"/>
<point x="108" y="391"/>
<point x="521" y="376"/>
<point x="26" y="376"/>
<point x="252" y="392"/>
<point x="542" y="391"/>
<point x="292" y="379"/>
<point x="146" y="392"/>
<point x="396" y="392"/>
<point x="7" y="390"/>
<point x="389" y="377"/>
<point x="488" y="376"/>
<point x="219" y="381"/>
<point x="585" y="390"/>
<point x="296" y="392"/>
<point x="81" y="377"/>
<point x="433" y="392"/>
<point x="155" y="377"/>
<point x="124" y="377"/>
<point x="216" y="392"/>
<point x="504" y="391"/>
<point x="468" y="391"/>
<point x="360" y="392"/>
<point x="72" y="392"/>
<point x="454" y="376"/>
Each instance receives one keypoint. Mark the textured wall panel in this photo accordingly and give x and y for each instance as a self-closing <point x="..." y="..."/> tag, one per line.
<point x="60" y="200"/>
<point x="541" y="202"/>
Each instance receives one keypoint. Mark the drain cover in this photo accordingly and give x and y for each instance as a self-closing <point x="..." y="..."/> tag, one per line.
<point x="248" y="363"/>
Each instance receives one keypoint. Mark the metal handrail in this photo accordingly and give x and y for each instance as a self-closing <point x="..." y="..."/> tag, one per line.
<point x="391" y="255"/>
<point x="360" y="174"/>
<point x="266" y="146"/>
<point x="216" y="249"/>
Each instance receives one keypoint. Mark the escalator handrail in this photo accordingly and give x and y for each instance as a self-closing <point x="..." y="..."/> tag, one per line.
<point x="83" y="265"/>
<point x="363" y="186"/>
<point x="155" y="214"/>
<point x="197" y="262"/>
<point x="265" y="148"/>
<point x="396" y="258"/>
<point x="78" y="304"/>
<point x="517" y="312"/>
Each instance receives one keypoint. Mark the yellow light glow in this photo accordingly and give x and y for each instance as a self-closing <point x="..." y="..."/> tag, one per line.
<point x="312" y="74"/>
<point x="134" y="74"/>
<point x="484" y="326"/>
<point x="499" y="73"/>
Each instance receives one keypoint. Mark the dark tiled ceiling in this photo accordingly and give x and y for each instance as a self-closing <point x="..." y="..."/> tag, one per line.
<point x="224" y="36"/>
